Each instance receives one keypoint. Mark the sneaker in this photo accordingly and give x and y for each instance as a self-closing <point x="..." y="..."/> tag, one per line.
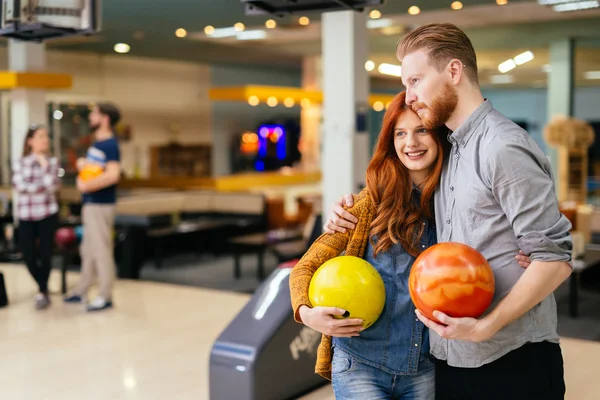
<point x="99" y="304"/>
<point x="41" y="301"/>
<point x="73" y="299"/>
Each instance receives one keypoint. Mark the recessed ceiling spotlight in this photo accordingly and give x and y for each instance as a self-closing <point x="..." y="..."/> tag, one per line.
<point x="414" y="10"/>
<point x="122" y="48"/>
<point x="375" y="14"/>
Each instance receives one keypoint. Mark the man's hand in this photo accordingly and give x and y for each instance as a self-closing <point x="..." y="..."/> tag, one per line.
<point x="522" y="259"/>
<point x="82" y="186"/>
<point x="80" y="163"/>
<point x="339" y="219"/>
<point x="470" y="329"/>
<point x="321" y="319"/>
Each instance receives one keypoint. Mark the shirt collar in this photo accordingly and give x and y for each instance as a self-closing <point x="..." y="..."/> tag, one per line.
<point x="30" y="157"/>
<point x="464" y="132"/>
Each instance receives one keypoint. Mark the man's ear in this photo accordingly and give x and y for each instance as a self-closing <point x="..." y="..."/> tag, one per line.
<point x="456" y="70"/>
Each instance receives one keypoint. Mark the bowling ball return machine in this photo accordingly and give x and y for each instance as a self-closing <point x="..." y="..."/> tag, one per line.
<point x="264" y="354"/>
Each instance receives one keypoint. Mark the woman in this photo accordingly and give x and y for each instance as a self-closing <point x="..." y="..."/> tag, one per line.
<point x="390" y="359"/>
<point x="35" y="178"/>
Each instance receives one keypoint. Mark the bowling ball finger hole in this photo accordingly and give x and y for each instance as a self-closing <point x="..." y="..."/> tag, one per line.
<point x="346" y="314"/>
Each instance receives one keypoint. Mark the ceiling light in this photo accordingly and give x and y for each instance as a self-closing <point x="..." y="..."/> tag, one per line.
<point x="181" y="33"/>
<point x="253" y="100"/>
<point x="239" y="27"/>
<point x="501" y="2"/>
<point x="224" y="32"/>
<point x="592" y="75"/>
<point x="414" y="10"/>
<point x="271" y="24"/>
<point x="369" y="65"/>
<point x="209" y="30"/>
<point x="122" y="48"/>
<point x="390" y="69"/>
<point x="523" y="58"/>
<point x="375" y="14"/>
<point x="305" y="103"/>
<point x="378" y="106"/>
<point x="272" y="101"/>
<point x="304" y="21"/>
<point x="57" y="114"/>
<point x="251" y="35"/>
<point x="379" y="23"/>
<point x="506" y="66"/>
<point x="457" y="5"/>
<point x="501" y="79"/>
<point x="393" y="30"/>
<point x="576" y="5"/>
<point x="288" y="102"/>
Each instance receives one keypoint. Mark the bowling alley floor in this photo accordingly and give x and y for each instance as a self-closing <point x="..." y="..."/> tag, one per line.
<point x="154" y="344"/>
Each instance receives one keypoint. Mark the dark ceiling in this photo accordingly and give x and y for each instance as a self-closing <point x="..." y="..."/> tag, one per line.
<point x="149" y="26"/>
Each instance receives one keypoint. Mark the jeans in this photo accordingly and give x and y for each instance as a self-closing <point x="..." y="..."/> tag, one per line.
<point x="355" y="380"/>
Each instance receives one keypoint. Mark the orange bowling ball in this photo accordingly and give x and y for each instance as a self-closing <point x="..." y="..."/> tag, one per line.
<point x="90" y="171"/>
<point x="452" y="278"/>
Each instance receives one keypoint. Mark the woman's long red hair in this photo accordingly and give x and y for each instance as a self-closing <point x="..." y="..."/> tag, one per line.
<point x="398" y="218"/>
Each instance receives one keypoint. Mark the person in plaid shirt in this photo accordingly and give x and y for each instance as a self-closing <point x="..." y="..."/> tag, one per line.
<point x="35" y="178"/>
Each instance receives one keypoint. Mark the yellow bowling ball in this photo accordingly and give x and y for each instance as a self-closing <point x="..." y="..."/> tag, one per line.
<point x="349" y="283"/>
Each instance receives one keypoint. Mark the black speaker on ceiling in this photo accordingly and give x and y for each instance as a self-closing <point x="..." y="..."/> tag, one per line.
<point x="287" y="7"/>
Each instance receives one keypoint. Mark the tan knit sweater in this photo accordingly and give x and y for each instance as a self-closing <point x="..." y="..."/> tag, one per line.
<point x="325" y="248"/>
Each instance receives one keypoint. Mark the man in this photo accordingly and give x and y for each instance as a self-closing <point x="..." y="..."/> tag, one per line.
<point x="496" y="194"/>
<point x="98" y="212"/>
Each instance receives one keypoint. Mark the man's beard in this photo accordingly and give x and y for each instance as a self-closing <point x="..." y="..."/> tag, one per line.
<point x="441" y="109"/>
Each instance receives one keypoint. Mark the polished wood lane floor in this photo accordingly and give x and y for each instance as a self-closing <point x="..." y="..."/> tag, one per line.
<point x="154" y="344"/>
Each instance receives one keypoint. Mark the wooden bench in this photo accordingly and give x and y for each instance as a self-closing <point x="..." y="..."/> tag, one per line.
<point x="259" y="243"/>
<point x="198" y="219"/>
<point x="286" y="244"/>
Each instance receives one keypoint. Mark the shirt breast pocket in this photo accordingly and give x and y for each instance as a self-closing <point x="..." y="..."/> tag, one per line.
<point x="474" y="205"/>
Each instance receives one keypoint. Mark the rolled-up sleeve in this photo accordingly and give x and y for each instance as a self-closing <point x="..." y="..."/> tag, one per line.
<point x="520" y="176"/>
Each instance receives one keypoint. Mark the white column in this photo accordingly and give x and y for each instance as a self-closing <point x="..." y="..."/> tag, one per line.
<point x="345" y="89"/>
<point x="310" y="116"/>
<point x="27" y="106"/>
<point x="561" y="88"/>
